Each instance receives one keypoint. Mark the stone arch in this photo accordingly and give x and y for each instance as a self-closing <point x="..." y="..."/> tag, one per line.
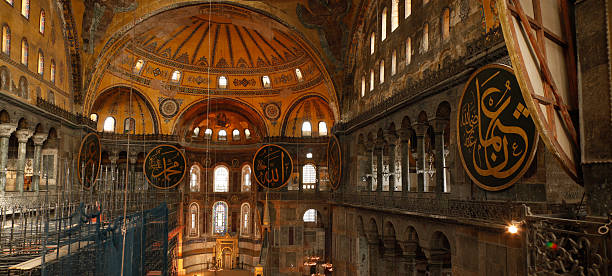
<point x="5" y="78"/>
<point x="440" y="254"/>
<point x="5" y="117"/>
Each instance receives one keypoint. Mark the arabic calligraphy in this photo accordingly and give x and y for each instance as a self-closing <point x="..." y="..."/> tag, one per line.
<point x="273" y="166"/>
<point x="165" y="166"/>
<point x="334" y="161"/>
<point x="497" y="137"/>
<point x="89" y="160"/>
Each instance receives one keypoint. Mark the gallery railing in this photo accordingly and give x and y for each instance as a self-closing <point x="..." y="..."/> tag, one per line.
<point x="77" y="119"/>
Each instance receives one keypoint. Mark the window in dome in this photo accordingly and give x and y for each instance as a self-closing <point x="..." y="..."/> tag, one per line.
<point x="52" y="74"/>
<point x="208" y="133"/>
<point x="129" y="125"/>
<point x="322" y="129"/>
<point x="306" y="129"/>
<point x="222" y="136"/>
<point x="6" y="39"/>
<point x="109" y="124"/>
<point x="362" y="86"/>
<point x="298" y="74"/>
<point x="222" y="82"/>
<point x="24" y="52"/>
<point x="445" y="24"/>
<point x="138" y="66"/>
<point x="247" y="133"/>
<point x="25" y="8"/>
<point x="236" y="135"/>
<point x="196" y="132"/>
<point x="394" y="14"/>
<point x="393" y="63"/>
<point x="219" y="217"/>
<point x="372" y="42"/>
<point x="310" y="215"/>
<point x="176" y="76"/>
<point x="407" y="8"/>
<point x="41" y="62"/>
<point x="221" y="179"/>
<point x="246" y="178"/>
<point x="309" y="155"/>
<point x="93" y="117"/>
<point x="383" y="25"/>
<point x="371" y="79"/>
<point x="41" y="22"/>
<point x="408" y="51"/>
<point x="382" y="71"/>
<point x="265" y="80"/>
<point x="426" y="37"/>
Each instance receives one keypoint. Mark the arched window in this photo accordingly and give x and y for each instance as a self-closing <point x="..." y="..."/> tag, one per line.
<point x="265" y="80"/>
<point x="322" y="129"/>
<point x="309" y="174"/>
<point x="41" y="22"/>
<point x="222" y="82"/>
<point x="245" y="212"/>
<point x="382" y="71"/>
<point x="222" y="136"/>
<point x="52" y="75"/>
<point x="445" y="24"/>
<point x="194" y="178"/>
<point x="298" y="74"/>
<point x="371" y="79"/>
<point x="362" y="86"/>
<point x="310" y="215"/>
<point x="383" y="24"/>
<point x="129" y="125"/>
<point x="93" y="117"/>
<point x="194" y="211"/>
<point x="196" y="132"/>
<point x="6" y="40"/>
<point x="247" y="133"/>
<point x="219" y="217"/>
<point x="221" y="179"/>
<point x="309" y="155"/>
<point x="306" y="129"/>
<point x="41" y="62"/>
<point x="24" y="52"/>
<point x="208" y="133"/>
<point x="246" y="178"/>
<point x="407" y="8"/>
<point x="138" y="66"/>
<point x="372" y="42"/>
<point x="408" y="51"/>
<point x="109" y="124"/>
<point x="393" y="63"/>
<point x="426" y="37"/>
<point x="236" y="135"/>
<point x="394" y="14"/>
<point x="176" y="76"/>
<point x="25" y="8"/>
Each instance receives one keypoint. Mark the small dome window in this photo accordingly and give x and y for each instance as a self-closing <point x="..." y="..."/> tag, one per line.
<point x="306" y="129"/>
<point x="222" y="136"/>
<point x="222" y="82"/>
<point x="247" y="133"/>
<point x="138" y="66"/>
<point x="298" y="74"/>
<point x="176" y="76"/>
<point x="93" y="117"/>
<point x="236" y="135"/>
<point x="265" y="80"/>
<point x="196" y="132"/>
<point x="322" y="129"/>
<point x="208" y="133"/>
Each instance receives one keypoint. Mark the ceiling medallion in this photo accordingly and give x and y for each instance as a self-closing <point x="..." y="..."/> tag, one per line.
<point x="168" y="107"/>
<point x="271" y="111"/>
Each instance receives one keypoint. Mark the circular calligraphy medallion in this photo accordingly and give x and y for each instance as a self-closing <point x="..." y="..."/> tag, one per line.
<point x="168" y="108"/>
<point x="272" y="166"/>
<point x="496" y="135"/>
<point x="334" y="161"/>
<point x="165" y="166"/>
<point x="90" y="155"/>
<point x="272" y="111"/>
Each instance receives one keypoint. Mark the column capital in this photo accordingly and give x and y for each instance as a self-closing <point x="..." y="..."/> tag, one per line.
<point x="389" y="242"/>
<point x="391" y="138"/>
<point x="23" y="135"/>
<point x="420" y="129"/>
<point x="404" y="134"/>
<point x="6" y="129"/>
<point x="39" y="138"/>
<point x="439" y="125"/>
<point x="372" y="237"/>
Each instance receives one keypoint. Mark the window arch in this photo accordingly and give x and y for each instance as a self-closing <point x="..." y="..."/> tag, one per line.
<point x="407" y="8"/>
<point x="222" y="135"/>
<point x="6" y="40"/>
<point x="245" y="222"/>
<point x="408" y="51"/>
<point x="322" y="129"/>
<point x="298" y="74"/>
<point x="310" y="215"/>
<point x="196" y="132"/>
<point x="247" y="133"/>
<point x="382" y="71"/>
<point x="24" y="52"/>
<point x="176" y="76"/>
<point x="306" y="129"/>
<point x="208" y="133"/>
<point x="25" y="8"/>
<point x="371" y="79"/>
<point x="445" y="24"/>
<point x="221" y="179"/>
<point x="52" y="72"/>
<point x="393" y="63"/>
<point x="383" y="25"/>
<point x="426" y="37"/>
<point x="93" y="117"/>
<point x="265" y="80"/>
<point x="41" y="62"/>
<point x="222" y="82"/>
<point x="236" y="135"/>
<point x="246" y="178"/>
<point x="394" y="14"/>
<point x="41" y="22"/>
<point x="109" y="124"/>
<point x="138" y="67"/>
<point x="309" y="174"/>
<point x="194" y="179"/>
<point x="362" y="86"/>
<point x="372" y="42"/>
<point x="194" y="214"/>
<point x="129" y="125"/>
<point x="219" y="217"/>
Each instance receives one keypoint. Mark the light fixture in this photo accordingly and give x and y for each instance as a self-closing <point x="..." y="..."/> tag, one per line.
<point x="513" y="227"/>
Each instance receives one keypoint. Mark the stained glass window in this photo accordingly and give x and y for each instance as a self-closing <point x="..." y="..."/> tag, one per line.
<point x="219" y="217"/>
<point x="41" y="23"/>
<point x="6" y="40"/>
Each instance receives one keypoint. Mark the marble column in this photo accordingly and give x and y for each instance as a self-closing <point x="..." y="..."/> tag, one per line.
<point x="132" y="178"/>
<point x="379" y="149"/>
<point x="373" y="251"/>
<point x="38" y="139"/>
<point x="436" y="261"/>
<point x="404" y="151"/>
<point x="22" y="137"/>
<point x="370" y="170"/>
<point x="407" y="260"/>
<point x="439" y="126"/>
<point x="391" y="139"/>
<point x="421" y="130"/>
<point x="5" y="134"/>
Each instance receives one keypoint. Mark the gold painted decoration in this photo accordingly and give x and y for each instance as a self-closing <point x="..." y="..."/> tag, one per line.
<point x="496" y="135"/>
<point x="538" y="37"/>
<point x="165" y="167"/>
<point x="90" y="155"/>
<point x="272" y="166"/>
<point x="334" y="161"/>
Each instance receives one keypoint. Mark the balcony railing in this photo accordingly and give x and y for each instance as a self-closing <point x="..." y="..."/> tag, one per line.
<point x="77" y="119"/>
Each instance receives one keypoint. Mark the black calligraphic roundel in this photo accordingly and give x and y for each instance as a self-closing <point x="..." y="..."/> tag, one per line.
<point x="90" y="155"/>
<point x="165" y="167"/>
<point x="496" y="135"/>
<point x="272" y="166"/>
<point x="334" y="161"/>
